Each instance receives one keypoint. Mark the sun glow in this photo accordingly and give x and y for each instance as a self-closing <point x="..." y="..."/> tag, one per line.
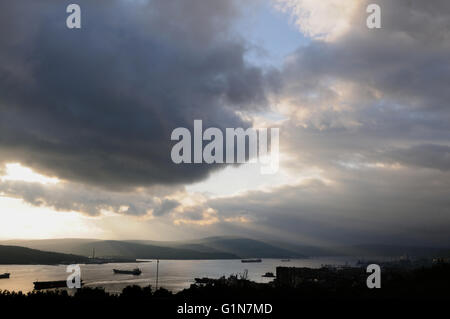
<point x="24" y="221"/>
<point x="17" y="172"/>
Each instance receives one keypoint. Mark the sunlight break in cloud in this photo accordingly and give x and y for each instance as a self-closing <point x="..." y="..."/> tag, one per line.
<point x="17" y="172"/>
<point x="324" y="20"/>
<point x="191" y="216"/>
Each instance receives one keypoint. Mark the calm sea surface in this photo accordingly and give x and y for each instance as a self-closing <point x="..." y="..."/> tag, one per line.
<point x="174" y="275"/>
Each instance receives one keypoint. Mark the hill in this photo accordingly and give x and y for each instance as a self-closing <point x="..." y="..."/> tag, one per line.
<point x="22" y="255"/>
<point x="246" y="248"/>
<point x="369" y="250"/>
<point x="216" y="248"/>
<point x="114" y="248"/>
<point x="208" y="248"/>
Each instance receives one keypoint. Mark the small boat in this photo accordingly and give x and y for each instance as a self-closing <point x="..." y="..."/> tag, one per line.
<point x="255" y="260"/>
<point x="38" y="285"/>
<point x="268" y="275"/>
<point x="4" y="276"/>
<point x="135" y="272"/>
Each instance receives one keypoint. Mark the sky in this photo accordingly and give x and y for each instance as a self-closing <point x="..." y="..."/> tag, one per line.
<point x="86" y="117"/>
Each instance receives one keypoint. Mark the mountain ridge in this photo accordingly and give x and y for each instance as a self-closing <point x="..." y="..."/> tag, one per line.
<point x="217" y="247"/>
<point x="210" y="248"/>
<point x="22" y="255"/>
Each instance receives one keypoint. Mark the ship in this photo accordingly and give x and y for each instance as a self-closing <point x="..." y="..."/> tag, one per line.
<point x="4" y="276"/>
<point x="135" y="272"/>
<point x="39" y="285"/>
<point x="268" y="275"/>
<point x="255" y="260"/>
<point x="204" y="280"/>
<point x="285" y="260"/>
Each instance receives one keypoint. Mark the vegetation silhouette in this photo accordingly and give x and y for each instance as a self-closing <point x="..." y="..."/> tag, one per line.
<point x="406" y="289"/>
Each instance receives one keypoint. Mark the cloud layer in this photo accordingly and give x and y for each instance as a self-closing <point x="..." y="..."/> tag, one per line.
<point x="97" y="105"/>
<point x="368" y="110"/>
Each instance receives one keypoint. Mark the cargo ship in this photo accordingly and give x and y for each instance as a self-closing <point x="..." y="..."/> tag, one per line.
<point x="135" y="272"/>
<point x="268" y="275"/>
<point x="254" y="260"/>
<point x="204" y="280"/>
<point x="4" y="276"/>
<point x="39" y="285"/>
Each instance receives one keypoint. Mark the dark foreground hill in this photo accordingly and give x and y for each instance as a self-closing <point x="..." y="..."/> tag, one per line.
<point x="22" y="255"/>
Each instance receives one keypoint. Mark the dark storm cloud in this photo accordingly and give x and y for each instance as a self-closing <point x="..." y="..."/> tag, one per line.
<point x="98" y="105"/>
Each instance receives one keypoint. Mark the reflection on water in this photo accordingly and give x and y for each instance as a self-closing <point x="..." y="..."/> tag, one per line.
<point x="174" y="275"/>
